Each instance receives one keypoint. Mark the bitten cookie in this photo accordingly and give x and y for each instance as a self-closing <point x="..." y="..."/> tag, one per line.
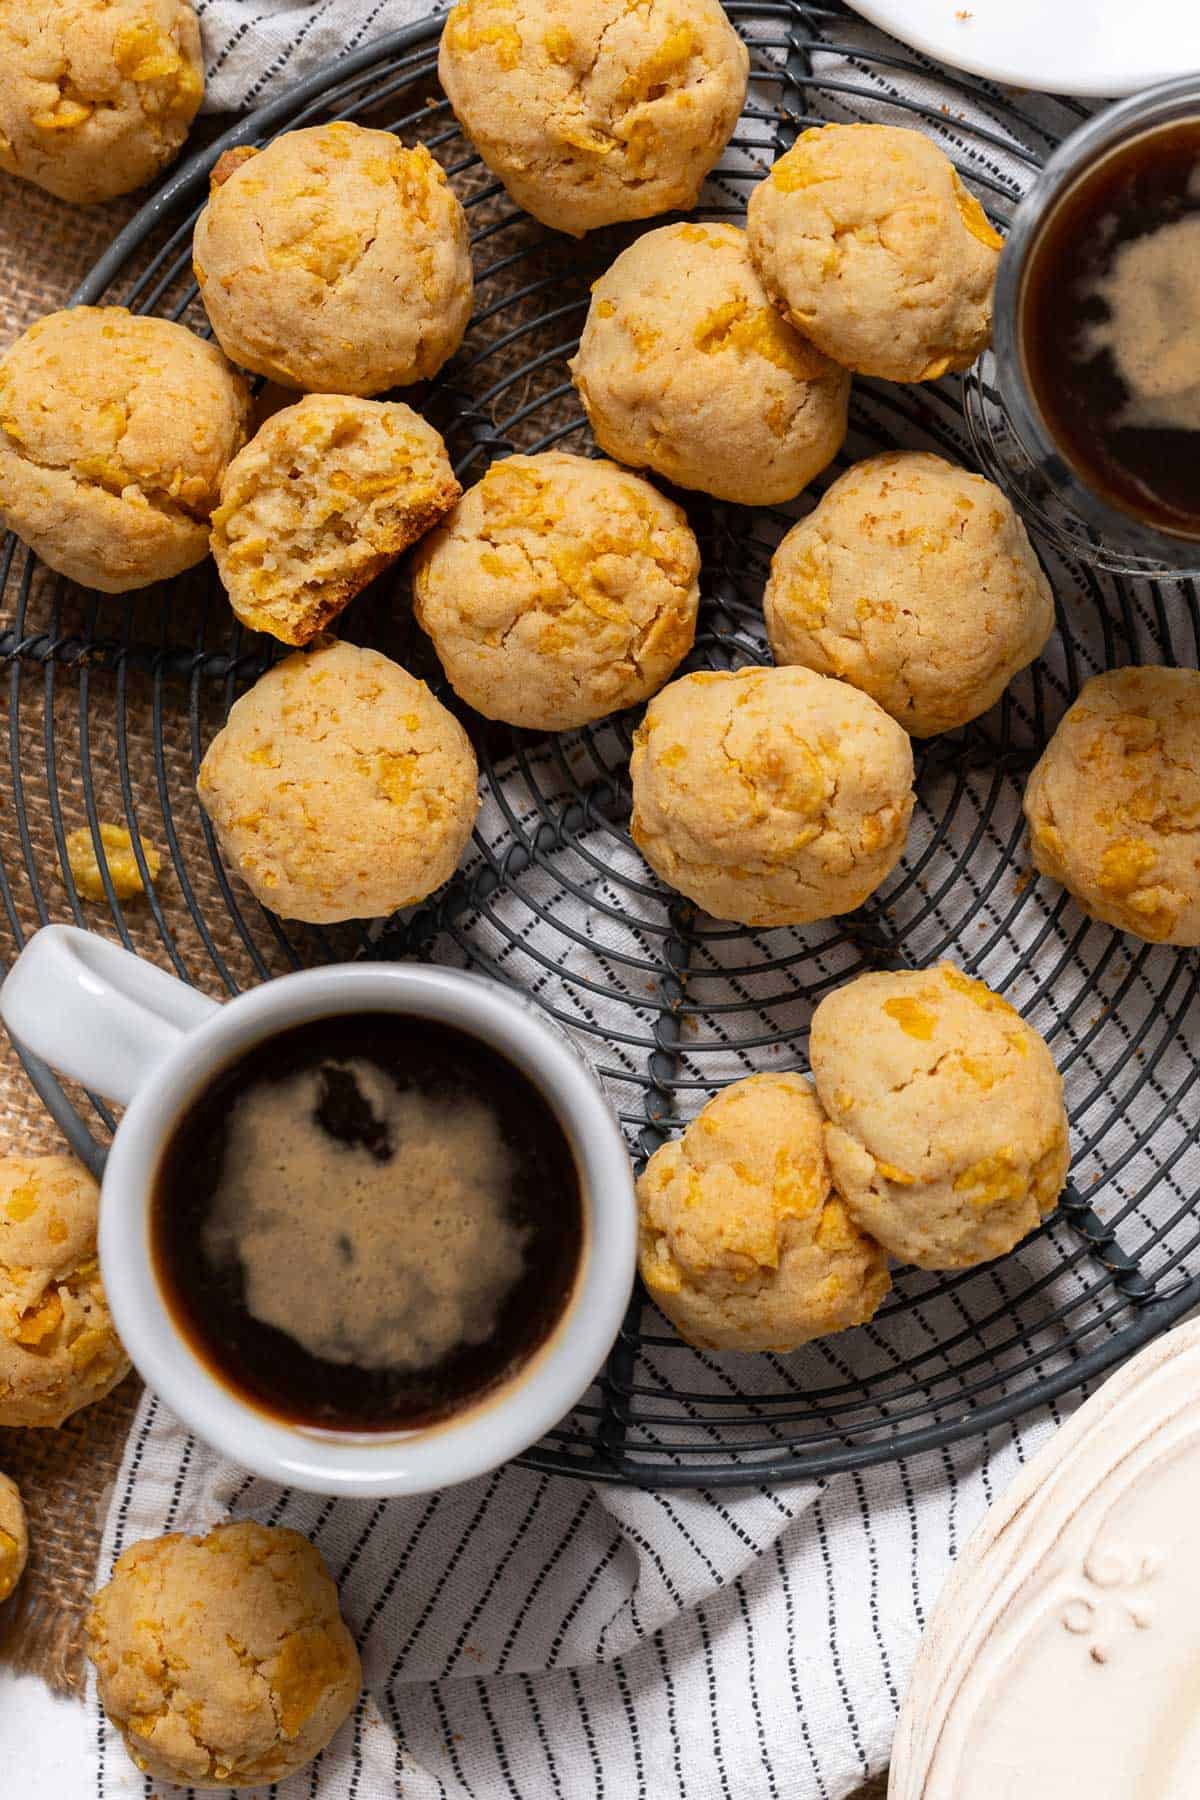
<point x="947" y="1130"/>
<point x="591" y="111"/>
<point x="335" y="260"/>
<point x="1114" y="804"/>
<point x="770" y="796"/>
<point x="743" y="1243"/>
<point x="115" y="431"/>
<point x="685" y="368"/>
<point x="560" y="589"/>
<point x="223" y="1661"/>
<point x="58" y="1348"/>
<point x="339" y="787"/>
<point x="323" y="498"/>
<point x="869" y="243"/>
<point x="96" y="96"/>
<point x="916" y="581"/>
<point x="14" y="1537"/>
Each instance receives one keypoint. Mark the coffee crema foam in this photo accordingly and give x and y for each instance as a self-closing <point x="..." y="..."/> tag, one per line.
<point x="1152" y="291"/>
<point x="372" y="1225"/>
<point x="1108" y="331"/>
<point x="367" y="1222"/>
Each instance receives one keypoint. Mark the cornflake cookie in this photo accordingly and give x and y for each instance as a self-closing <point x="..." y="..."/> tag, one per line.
<point x="58" y="1348"/>
<point x="559" y="590"/>
<point x="590" y="111"/>
<point x="916" y="581"/>
<point x="743" y="1243"/>
<point x="770" y="796"/>
<point x="115" y="431"/>
<point x="223" y="1661"/>
<point x="947" y="1131"/>
<point x="685" y="368"/>
<point x="339" y="787"/>
<point x="869" y="243"/>
<point x="14" y="1537"/>
<point x="1114" y="804"/>
<point x="320" y="502"/>
<point x="120" y="859"/>
<point x="96" y="96"/>
<point x="336" y="260"/>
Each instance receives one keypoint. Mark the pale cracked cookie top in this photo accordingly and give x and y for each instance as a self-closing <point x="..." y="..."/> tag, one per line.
<point x="590" y="111"/>
<point x="14" y="1537"/>
<point x="770" y="796"/>
<point x="1114" y="804"/>
<point x="58" y="1348"/>
<point x="559" y="589"/>
<point x="684" y="367"/>
<point x="335" y="260"/>
<point x="339" y="787"/>
<point x="743" y="1243"/>
<point x="223" y="1660"/>
<point x="947" y="1131"/>
<point x="870" y="244"/>
<point x="96" y="96"/>
<point x="916" y="581"/>
<point x="115" y="431"/>
<point x="324" y="497"/>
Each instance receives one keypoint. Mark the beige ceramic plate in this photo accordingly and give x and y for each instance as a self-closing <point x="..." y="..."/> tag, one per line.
<point x="1064" y="1655"/>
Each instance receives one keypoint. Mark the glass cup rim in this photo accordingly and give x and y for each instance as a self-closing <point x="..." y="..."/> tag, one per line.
<point x="1171" y="102"/>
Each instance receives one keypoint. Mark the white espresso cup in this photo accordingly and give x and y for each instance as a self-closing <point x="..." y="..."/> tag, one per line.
<point x="136" y="1035"/>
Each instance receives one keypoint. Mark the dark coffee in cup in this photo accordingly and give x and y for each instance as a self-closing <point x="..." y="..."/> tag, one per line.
<point x="1109" y="327"/>
<point x="367" y="1223"/>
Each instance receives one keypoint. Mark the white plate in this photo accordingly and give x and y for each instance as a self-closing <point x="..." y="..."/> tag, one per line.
<point x="1091" y="47"/>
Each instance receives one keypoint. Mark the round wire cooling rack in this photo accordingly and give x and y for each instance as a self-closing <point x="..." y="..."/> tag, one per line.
<point x="111" y="703"/>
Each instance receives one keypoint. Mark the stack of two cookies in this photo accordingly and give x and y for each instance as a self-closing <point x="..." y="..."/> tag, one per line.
<point x="933" y="1132"/>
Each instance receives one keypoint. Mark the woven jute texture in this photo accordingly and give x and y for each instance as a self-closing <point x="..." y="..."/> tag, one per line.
<point x="46" y="248"/>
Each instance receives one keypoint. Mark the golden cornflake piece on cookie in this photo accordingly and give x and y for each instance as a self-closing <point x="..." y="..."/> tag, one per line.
<point x="14" y="1537"/>
<point x="917" y="582"/>
<point x="1114" y="804"/>
<point x="592" y="111"/>
<point x="323" y="499"/>
<point x="58" y="1348"/>
<point x="743" y="1242"/>
<point x="340" y="788"/>
<point x="115" y="432"/>
<point x="869" y="243"/>
<point x="96" y="96"/>
<point x="336" y="261"/>
<point x="223" y="1661"/>
<point x="770" y="796"/>
<point x="947" y="1131"/>
<point x="685" y="368"/>
<point x="559" y="590"/>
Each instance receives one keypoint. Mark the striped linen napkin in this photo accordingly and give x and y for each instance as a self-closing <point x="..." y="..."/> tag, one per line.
<point x="253" y="49"/>
<point x="532" y="1636"/>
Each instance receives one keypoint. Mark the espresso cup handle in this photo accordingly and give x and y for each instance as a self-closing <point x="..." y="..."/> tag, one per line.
<point x="97" y="1013"/>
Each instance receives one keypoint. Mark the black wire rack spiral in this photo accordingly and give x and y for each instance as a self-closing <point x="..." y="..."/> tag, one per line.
<point x="112" y="702"/>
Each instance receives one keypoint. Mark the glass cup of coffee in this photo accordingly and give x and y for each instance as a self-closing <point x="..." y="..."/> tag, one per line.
<point x="1087" y="409"/>
<point x="368" y="1230"/>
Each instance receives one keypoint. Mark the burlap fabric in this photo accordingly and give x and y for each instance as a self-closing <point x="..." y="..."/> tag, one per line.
<point x="46" y="248"/>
